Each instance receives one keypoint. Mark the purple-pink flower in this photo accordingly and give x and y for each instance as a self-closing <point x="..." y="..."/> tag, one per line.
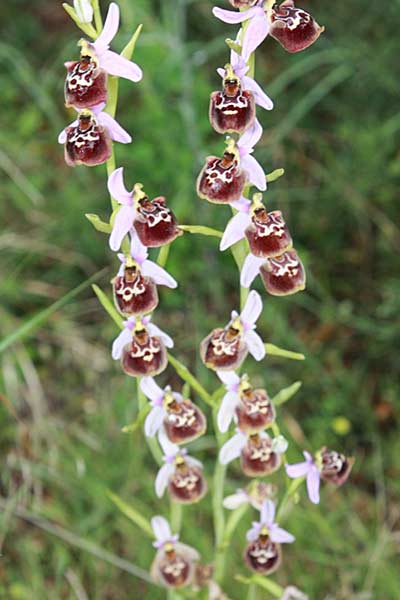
<point x="275" y="533"/>
<point x="126" y="335"/>
<point x="309" y="469"/>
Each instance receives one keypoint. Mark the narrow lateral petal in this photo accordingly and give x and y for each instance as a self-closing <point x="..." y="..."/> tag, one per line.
<point x="117" y="133"/>
<point x="226" y="411"/>
<point x="158" y="274"/>
<point x="230" y="16"/>
<point x="151" y="389"/>
<point x="117" y="188"/>
<point x="235" y="500"/>
<point x="255" y="345"/>
<point x="255" y="172"/>
<point x="119" y="66"/>
<point x="232" y="448"/>
<point x="154" y="421"/>
<point x="123" y="222"/>
<point x="234" y="230"/>
<point x="250" y="138"/>
<point x="260" y="96"/>
<point x="298" y="469"/>
<point x="162" y="479"/>
<point x="156" y="331"/>
<point x="120" y="342"/>
<point x="280" y="536"/>
<point x="229" y="378"/>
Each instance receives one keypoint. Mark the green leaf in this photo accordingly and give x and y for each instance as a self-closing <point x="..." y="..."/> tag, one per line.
<point x="29" y="326"/>
<point x="187" y="376"/>
<point x="201" y="230"/>
<point x="129" y="511"/>
<point x="85" y="27"/>
<point x="274" y="175"/>
<point x="98" y="223"/>
<point x="286" y="393"/>
<point x="267" y="584"/>
<point x="273" y="350"/>
<point x="233" y="45"/>
<point x="108" y="306"/>
<point x="127" y="52"/>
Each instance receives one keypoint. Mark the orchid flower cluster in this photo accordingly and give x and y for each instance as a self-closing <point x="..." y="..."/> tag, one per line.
<point x="245" y="417"/>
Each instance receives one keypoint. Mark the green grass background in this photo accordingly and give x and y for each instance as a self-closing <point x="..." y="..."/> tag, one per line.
<point x="335" y="130"/>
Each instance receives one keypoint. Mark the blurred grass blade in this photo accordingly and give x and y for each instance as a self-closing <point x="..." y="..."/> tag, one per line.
<point x="186" y="375"/>
<point x="131" y="513"/>
<point x="286" y="393"/>
<point x="108" y="306"/>
<point x="201" y="230"/>
<point x="273" y="350"/>
<point x="29" y="326"/>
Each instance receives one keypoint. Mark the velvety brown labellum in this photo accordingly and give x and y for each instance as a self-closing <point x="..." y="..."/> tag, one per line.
<point x="145" y="355"/>
<point x="255" y="411"/>
<point x="86" y="84"/>
<point x="284" y="275"/>
<point x="292" y="27"/>
<point x="88" y="143"/>
<point x="187" y="485"/>
<point x="258" y="458"/>
<point x="263" y="556"/>
<point x="335" y="467"/>
<point x="172" y="567"/>
<point x="232" y="114"/>
<point x="156" y="224"/>
<point x="221" y="180"/>
<point x="223" y="349"/>
<point x="134" y="294"/>
<point x="243" y="3"/>
<point x="185" y="422"/>
<point x="268" y="234"/>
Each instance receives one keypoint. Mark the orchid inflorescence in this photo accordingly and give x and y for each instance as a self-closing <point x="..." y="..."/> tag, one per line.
<point x="245" y="417"/>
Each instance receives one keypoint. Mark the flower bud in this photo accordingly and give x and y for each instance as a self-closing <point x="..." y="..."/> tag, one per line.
<point x="233" y="110"/>
<point x="185" y="421"/>
<point x="258" y="458"/>
<point x="133" y="293"/>
<point x="334" y="467"/>
<point x="174" y="565"/>
<point x="155" y="224"/>
<point x="88" y="142"/>
<point x="86" y="82"/>
<point x="283" y="275"/>
<point x="268" y="234"/>
<point x="255" y="411"/>
<point x="223" y="349"/>
<point x="292" y="27"/>
<point x="187" y="484"/>
<point x="145" y="355"/>
<point x="222" y="180"/>
<point x="263" y="556"/>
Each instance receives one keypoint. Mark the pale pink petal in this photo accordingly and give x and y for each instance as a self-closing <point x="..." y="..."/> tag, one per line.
<point x="229" y="16"/>
<point x="267" y="512"/>
<point x="250" y="138"/>
<point x="255" y="172"/>
<point x="254" y="532"/>
<point x="252" y="309"/>
<point x="280" y="444"/>
<point x="120" y="66"/>
<point x="242" y="205"/>
<point x="158" y="274"/>
<point x="313" y="481"/>
<point x="255" y="34"/>
<point x="193" y="461"/>
<point x="62" y="138"/>
<point x="156" y="331"/>
<point x="162" y="479"/>
<point x="154" y="421"/>
<point x="151" y="389"/>
<point x="117" y="188"/>
<point x="221" y="72"/>
<point x="234" y="230"/>
<point x="255" y="344"/>
<point x="232" y="448"/>
<point x="120" y="342"/>
<point x="235" y="500"/>
<point x="123" y="222"/>
<point x="250" y="269"/>
<point x="308" y="456"/>
<point x="229" y="378"/>
<point x="239" y="65"/>
<point x="161" y="528"/>
<point x="260" y="96"/>
<point x="117" y="133"/>
<point x="280" y="536"/>
<point x="109" y="30"/>
<point x="138" y="250"/>
<point x="98" y="108"/>
<point x="226" y="411"/>
<point x="297" y="470"/>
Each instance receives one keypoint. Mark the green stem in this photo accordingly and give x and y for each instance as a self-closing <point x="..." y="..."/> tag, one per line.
<point x="290" y="492"/>
<point x="252" y="592"/>
<point x="176" y="517"/>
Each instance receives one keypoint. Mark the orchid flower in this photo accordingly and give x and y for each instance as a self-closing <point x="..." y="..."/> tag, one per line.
<point x="126" y="335"/>
<point x="158" y="413"/>
<point x="266" y="522"/>
<point x="148" y="268"/>
<point x="248" y="317"/>
<point x="254" y="494"/>
<point x="240" y="68"/>
<point x="232" y="449"/>
<point x="110" y="61"/>
<point x="310" y="470"/>
<point x="172" y="452"/>
<point x="116" y="132"/>
<point x="256" y="31"/>
<point x="248" y="163"/>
